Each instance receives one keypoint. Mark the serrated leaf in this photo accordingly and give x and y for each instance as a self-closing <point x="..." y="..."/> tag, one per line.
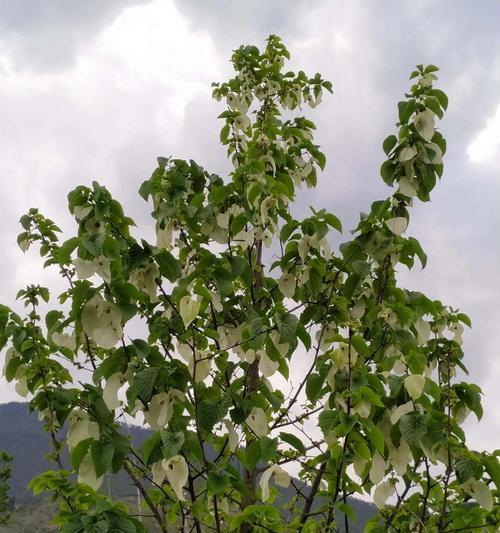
<point x="209" y="413"/>
<point x="413" y="427"/>
<point x="144" y="382"/>
<point x="218" y="482"/>
<point x="287" y="326"/>
<point x="172" y="443"/>
<point x="102" y="455"/>
<point x="293" y="441"/>
<point x="168" y="265"/>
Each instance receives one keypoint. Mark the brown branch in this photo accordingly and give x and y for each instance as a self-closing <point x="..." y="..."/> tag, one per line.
<point x="147" y="499"/>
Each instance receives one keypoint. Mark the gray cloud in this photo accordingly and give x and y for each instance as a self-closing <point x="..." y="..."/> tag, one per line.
<point x="46" y="36"/>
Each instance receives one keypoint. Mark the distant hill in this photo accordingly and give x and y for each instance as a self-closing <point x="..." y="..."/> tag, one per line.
<point x="22" y="435"/>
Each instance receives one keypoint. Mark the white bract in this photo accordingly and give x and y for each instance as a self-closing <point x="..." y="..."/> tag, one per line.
<point x="232" y="436"/>
<point x="407" y="187"/>
<point x="101" y="321"/>
<point x="382" y="493"/>
<point x="377" y="470"/>
<point x="407" y="153"/>
<point x="432" y="154"/>
<point x="414" y="384"/>
<point x="267" y="366"/>
<point x="358" y="310"/>
<point x="400" y="457"/>
<point x="177" y="474"/>
<point x="65" y="340"/>
<point x="400" y="411"/>
<point x="397" y="225"/>
<point x="80" y="428"/>
<point x="280" y="477"/>
<point x="287" y="284"/>
<point x="145" y="280"/>
<point x="87" y="473"/>
<point x="242" y="122"/>
<point x="164" y="237"/>
<point x="257" y="422"/>
<point x="22" y="381"/>
<point x="424" y="124"/>
<point x="188" y="309"/>
<point x="100" y="266"/>
<point x="110" y="391"/>
<point x="81" y="211"/>
<point x="199" y="365"/>
<point x="423" y="330"/>
<point x="457" y="330"/>
<point x="161" y="408"/>
<point x="175" y="470"/>
<point x="10" y="354"/>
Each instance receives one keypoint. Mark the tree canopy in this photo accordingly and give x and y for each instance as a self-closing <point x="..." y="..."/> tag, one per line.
<point x="190" y="331"/>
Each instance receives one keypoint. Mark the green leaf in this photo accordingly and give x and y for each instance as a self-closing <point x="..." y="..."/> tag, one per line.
<point x="293" y="441"/>
<point x="377" y="439"/>
<point x="387" y="171"/>
<point x="466" y="468"/>
<point x="209" y="413"/>
<point x="268" y="449"/>
<point x="121" y="445"/>
<point x="149" y="446"/>
<point x="172" y="443"/>
<point x="361" y="449"/>
<point x="320" y="159"/>
<point x="361" y="268"/>
<point x="79" y="452"/>
<point x="238" y="265"/>
<point x="287" y="326"/>
<point x="465" y="319"/>
<point x="102" y="455"/>
<point x="168" y="265"/>
<point x="434" y="105"/>
<point x="224" y="281"/>
<point x="405" y="110"/>
<point x="389" y="143"/>
<point x="492" y="466"/>
<point x="224" y="133"/>
<point x="304" y="336"/>
<point x="441" y="96"/>
<point x="418" y="250"/>
<point x="144" y="382"/>
<point x="314" y="386"/>
<point x="238" y="224"/>
<point x="218" y="482"/>
<point x="413" y="427"/>
<point x="326" y="420"/>
<point x="333" y="221"/>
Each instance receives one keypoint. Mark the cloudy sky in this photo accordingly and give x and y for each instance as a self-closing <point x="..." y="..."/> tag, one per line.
<point x="97" y="90"/>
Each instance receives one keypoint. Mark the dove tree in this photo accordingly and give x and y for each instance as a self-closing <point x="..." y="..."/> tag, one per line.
<point x="191" y="333"/>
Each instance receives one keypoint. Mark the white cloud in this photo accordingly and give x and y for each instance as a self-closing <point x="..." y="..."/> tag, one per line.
<point x="486" y="143"/>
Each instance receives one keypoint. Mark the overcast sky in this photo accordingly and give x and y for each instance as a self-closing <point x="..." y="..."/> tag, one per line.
<point x="97" y="90"/>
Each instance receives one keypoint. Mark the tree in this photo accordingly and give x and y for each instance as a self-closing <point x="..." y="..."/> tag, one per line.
<point x="5" y="471"/>
<point x="234" y="290"/>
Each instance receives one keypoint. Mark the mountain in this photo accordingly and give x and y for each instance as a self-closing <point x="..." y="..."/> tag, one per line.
<point x="22" y="435"/>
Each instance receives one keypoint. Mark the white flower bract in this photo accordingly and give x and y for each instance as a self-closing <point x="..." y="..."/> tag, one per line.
<point x="101" y="321"/>
<point x="257" y="422"/>
<point x="280" y="476"/>
<point x="414" y="384"/>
